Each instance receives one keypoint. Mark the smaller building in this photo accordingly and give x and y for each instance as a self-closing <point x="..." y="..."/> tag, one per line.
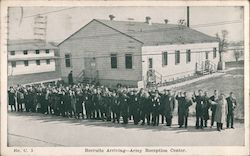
<point x="29" y="57"/>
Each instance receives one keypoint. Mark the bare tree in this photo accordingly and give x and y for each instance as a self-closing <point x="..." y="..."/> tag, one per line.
<point x="223" y="43"/>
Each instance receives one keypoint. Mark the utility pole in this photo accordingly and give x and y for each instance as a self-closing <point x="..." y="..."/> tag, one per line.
<point x="40" y="27"/>
<point x="187" y="16"/>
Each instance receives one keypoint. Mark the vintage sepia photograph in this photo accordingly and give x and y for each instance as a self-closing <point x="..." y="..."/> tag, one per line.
<point x="93" y="76"/>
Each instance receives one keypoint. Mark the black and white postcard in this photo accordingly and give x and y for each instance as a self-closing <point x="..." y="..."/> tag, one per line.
<point x="124" y="78"/>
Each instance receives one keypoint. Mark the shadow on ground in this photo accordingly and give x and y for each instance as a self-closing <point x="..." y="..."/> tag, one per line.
<point x="95" y="123"/>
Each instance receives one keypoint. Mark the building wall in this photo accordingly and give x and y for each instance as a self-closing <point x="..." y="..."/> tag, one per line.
<point x="20" y="68"/>
<point x="99" y="41"/>
<point x="174" y="71"/>
<point x="32" y="68"/>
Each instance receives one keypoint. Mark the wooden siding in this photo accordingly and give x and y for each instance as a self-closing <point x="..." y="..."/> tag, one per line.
<point x="172" y="70"/>
<point x="99" y="41"/>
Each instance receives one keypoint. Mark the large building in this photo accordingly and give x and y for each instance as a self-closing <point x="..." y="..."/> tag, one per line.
<point x="31" y="61"/>
<point x="129" y="52"/>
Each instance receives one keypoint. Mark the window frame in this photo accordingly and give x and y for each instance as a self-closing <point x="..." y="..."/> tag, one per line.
<point x="47" y="51"/>
<point x="214" y="52"/>
<point x="150" y="65"/>
<point x="113" y="55"/>
<point x="188" y="55"/>
<point x="13" y="64"/>
<point x="25" y="52"/>
<point x="207" y="55"/>
<point x="126" y="66"/>
<point x="177" y="57"/>
<point x="37" y="52"/>
<point x="67" y="59"/>
<point x="13" y="52"/>
<point x="38" y="62"/>
<point x="47" y="61"/>
<point x="164" y="58"/>
<point x="26" y="64"/>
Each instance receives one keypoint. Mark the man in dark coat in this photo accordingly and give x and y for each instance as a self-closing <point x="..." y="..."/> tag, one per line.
<point x="155" y="108"/>
<point x="145" y="105"/>
<point x="199" y="99"/>
<point x="169" y="104"/>
<point x="87" y="104"/>
<point x="115" y="107"/>
<point x="70" y="78"/>
<point x="213" y="107"/>
<point x="206" y="107"/>
<point x="231" y="105"/>
<point x="12" y="98"/>
<point x="20" y="99"/>
<point x="184" y="102"/>
<point x="134" y="106"/>
<point x="124" y="107"/>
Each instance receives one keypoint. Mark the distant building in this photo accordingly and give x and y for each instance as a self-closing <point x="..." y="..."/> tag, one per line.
<point x="129" y="52"/>
<point x="31" y="61"/>
<point x="234" y="51"/>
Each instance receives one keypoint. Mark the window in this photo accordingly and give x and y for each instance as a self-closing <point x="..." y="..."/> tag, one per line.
<point x="177" y="57"/>
<point x="25" y="52"/>
<point x="12" y="53"/>
<point x="67" y="60"/>
<point x="150" y="63"/>
<point x="128" y="61"/>
<point x="47" y="61"/>
<point x="165" y="58"/>
<point x="214" y="52"/>
<point x="13" y="64"/>
<point x="113" y="61"/>
<point x="207" y="55"/>
<point x="38" y="62"/>
<point x="188" y="55"/>
<point x="37" y="52"/>
<point x="26" y="63"/>
<point x="47" y="51"/>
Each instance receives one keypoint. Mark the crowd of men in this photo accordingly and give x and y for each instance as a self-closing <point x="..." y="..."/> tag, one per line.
<point x="144" y="106"/>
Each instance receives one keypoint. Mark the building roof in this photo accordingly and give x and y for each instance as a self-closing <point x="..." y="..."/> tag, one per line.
<point x="159" y="33"/>
<point x="155" y="33"/>
<point x="29" y="44"/>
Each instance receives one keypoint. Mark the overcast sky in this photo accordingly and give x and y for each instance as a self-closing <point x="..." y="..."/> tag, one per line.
<point x="60" y="24"/>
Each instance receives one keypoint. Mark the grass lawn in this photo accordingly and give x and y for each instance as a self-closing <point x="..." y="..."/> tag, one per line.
<point x="232" y="81"/>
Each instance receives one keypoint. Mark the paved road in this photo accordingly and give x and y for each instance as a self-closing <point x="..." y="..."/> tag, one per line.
<point x="37" y="130"/>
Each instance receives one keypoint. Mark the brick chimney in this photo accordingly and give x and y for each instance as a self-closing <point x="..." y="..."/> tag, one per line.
<point x="148" y="20"/>
<point x="111" y="17"/>
<point x="166" y="21"/>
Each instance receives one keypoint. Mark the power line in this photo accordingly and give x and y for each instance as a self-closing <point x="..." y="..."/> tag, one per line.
<point x="152" y="30"/>
<point x="49" y="12"/>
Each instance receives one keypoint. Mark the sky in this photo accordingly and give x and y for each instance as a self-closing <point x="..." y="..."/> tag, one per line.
<point x="62" y="21"/>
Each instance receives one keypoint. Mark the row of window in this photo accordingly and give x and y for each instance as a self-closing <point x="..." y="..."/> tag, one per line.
<point x="25" y="52"/>
<point x="113" y="60"/>
<point x="128" y="61"/>
<point x="188" y="56"/>
<point x="26" y="63"/>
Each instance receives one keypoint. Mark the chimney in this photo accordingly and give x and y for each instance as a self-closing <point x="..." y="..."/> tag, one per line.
<point x="111" y="17"/>
<point x="188" y="16"/>
<point x="166" y="21"/>
<point x="148" y="20"/>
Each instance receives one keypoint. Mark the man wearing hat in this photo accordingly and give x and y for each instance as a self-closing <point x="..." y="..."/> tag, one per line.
<point x="169" y="104"/>
<point x="124" y="106"/>
<point x="155" y="107"/>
